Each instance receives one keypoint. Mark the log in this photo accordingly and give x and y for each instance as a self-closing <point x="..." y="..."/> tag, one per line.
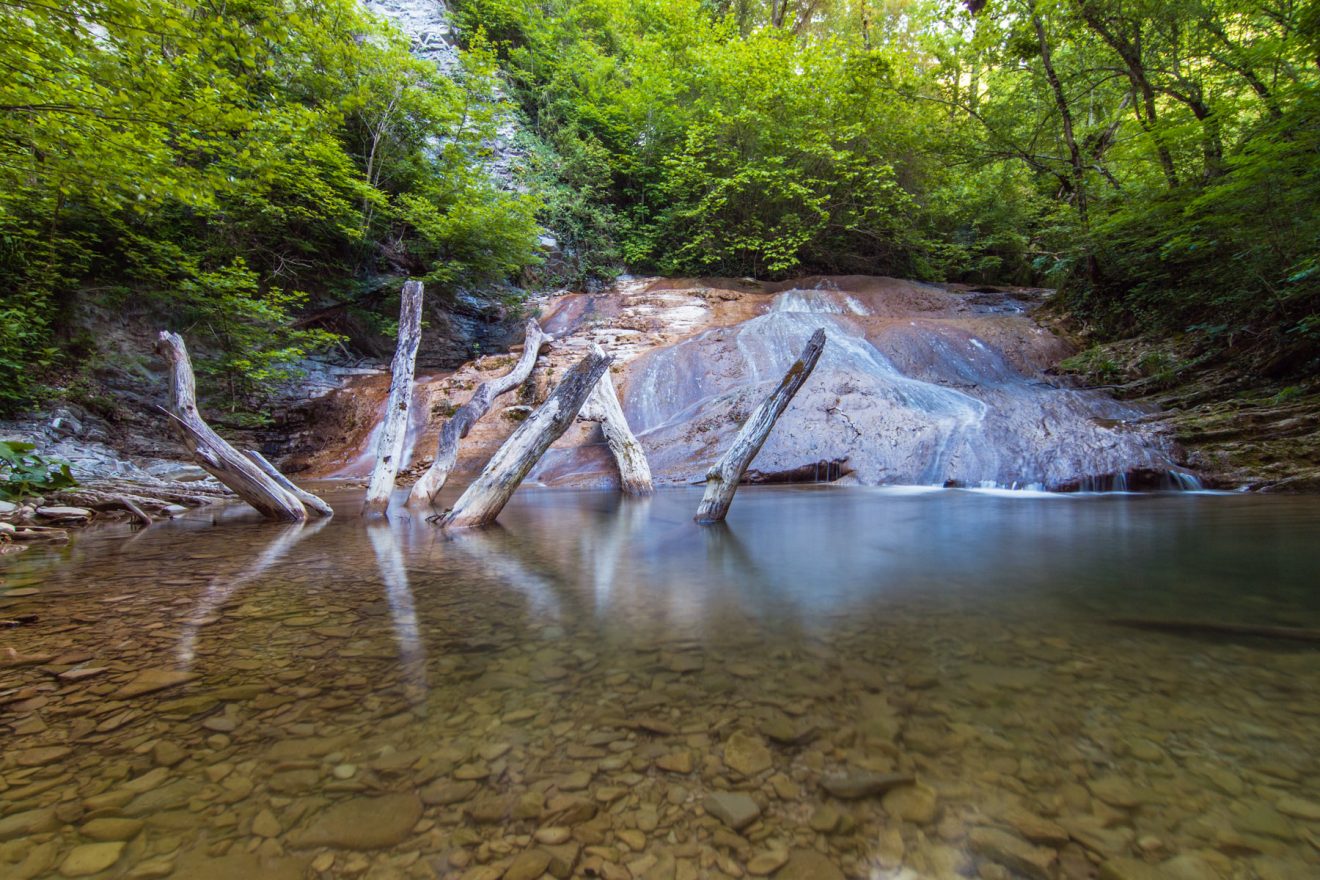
<point x="211" y="451"/>
<point x="460" y="423"/>
<point x="603" y="407"/>
<point x="314" y="503"/>
<point x="486" y="497"/>
<point x="724" y="475"/>
<point x="389" y="448"/>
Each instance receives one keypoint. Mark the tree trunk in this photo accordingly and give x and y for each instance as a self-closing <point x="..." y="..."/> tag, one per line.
<point x="723" y="477"/>
<point x="217" y="457"/>
<point x="389" y="448"/>
<point x="456" y="428"/>
<point x="488" y="494"/>
<point x="313" y="503"/>
<point x="603" y="406"/>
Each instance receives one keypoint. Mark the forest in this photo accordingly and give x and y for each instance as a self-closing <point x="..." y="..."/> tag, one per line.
<point x="234" y="164"/>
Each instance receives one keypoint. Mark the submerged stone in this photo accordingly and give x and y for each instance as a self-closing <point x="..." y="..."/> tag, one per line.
<point x="362" y="823"/>
<point x="734" y="809"/>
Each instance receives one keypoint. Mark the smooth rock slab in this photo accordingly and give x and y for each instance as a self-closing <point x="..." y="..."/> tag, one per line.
<point x="733" y="808"/>
<point x="362" y="823"/>
<point x="28" y="823"/>
<point x="91" y="858"/>
<point x="151" y="680"/>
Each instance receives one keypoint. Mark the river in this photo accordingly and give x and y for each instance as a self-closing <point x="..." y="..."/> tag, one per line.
<point x="599" y="687"/>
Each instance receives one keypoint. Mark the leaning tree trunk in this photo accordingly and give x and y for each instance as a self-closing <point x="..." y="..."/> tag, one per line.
<point x="389" y="448"/>
<point x="723" y="477"/>
<point x="603" y="406"/>
<point x="216" y="456"/>
<point x="488" y="494"/>
<point x="313" y="503"/>
<point x="458" y="425"/>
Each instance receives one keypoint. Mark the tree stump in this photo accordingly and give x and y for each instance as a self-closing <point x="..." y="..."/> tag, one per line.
<point x="603" y="407"/>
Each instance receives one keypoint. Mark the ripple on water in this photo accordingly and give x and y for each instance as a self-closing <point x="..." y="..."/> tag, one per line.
<point x="851" y="683"/>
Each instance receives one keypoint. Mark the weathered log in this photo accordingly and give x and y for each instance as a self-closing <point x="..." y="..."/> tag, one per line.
<point x="460" y="423"/>
<point x="723" y="477"/>
<point x="486" y="497"/>
<point x="211" y="451"/>
<point x="389" y="448"/>
<point x="314" y="503"/>
<point x="603" y="407"/>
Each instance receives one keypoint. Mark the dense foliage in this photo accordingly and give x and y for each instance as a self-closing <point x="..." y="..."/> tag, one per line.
<point x="1157" y="159"/>
<point x="218" y="162"/>
<point x="223" y="162"/>
<point x="25" y="472"/>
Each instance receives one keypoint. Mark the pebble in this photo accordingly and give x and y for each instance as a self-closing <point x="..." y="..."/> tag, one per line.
<point x="734" y="809"/>
<point x="91" y="858"/>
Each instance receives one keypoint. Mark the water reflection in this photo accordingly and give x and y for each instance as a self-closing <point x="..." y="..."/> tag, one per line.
<point x="599" y="667"/>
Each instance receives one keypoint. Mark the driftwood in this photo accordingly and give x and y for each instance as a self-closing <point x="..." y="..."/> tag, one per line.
<point x="486" y="497"/>
<point x="460" y="423"/>
<point x="211" y="451"/>
<point x="314" y="503"/>
<point x="723" y="477"/>
<point x="389" y="448"/>
<point x="603" y="406"/>
<point x="1206" y="627"/>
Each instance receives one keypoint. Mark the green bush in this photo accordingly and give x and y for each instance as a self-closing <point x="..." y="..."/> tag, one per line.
<point x="23" y="472"/>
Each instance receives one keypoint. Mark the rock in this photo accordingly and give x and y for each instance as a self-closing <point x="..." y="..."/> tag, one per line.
<point x="64" y="514"/>
<point x="167" y="754"/>
<point x="911" y="803"/>
<point x="1265" y="821"/>
<point x="1116" y="791"/>
<point x="109" y="829"/>
<point x="443" y="792"/>
<point x="552" y="835"/>
<point x="734" y="809"/>
<point x="362" y="823"/>
<point x="1130" y="869"/>
<point x="1035" y="828"/>
<point x="28" y="823"/>
<point x="91" y="858"/>
<point x="266" y="825"/>
<point x="152" y="869"/>
<point x="807" y="864"/>
<point x="747" y="754"/>
<point x="860" y="784"/>
<point x="1298" y="808"/>
<point x="7" y="507"/>
<point x="1013" y="852"/>
<point x="528" y="865"/>
<point x="766" y="863"/>
<point x="40" y="757"/>
<point x="825" y="819"/>
<point x="151" y="680"/>
<point x="676" y="762"/>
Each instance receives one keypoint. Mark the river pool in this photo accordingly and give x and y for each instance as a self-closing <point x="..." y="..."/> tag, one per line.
<point x="866" y="683"/>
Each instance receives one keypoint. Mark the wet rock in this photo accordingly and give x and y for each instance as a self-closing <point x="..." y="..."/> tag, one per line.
<point x="1116" y="791"/>
<point x="362" y="823"/>
<point x="857" y="784"/>
<point x="676" y="762"/>
<point x="110" y="829"/>
<point x="528" y="865"/>
<point x="746" y="754"/>
<point x="57" y="513"/>
<point x="911" y="803"/>
<point x="734" y="809"/>
<point x="444" y="792"/>
<point x="1265" y="821"/>
<point x="28" y="823"/>
<point x="90" y="858"/>
<point x="1131" y="869"/>
<point x="807" y="864"/>
<point x="151" y="680"/>
<point x="42" y="756"/>
<point x="151" y="869"/>
<point x="825" y="819"/>
<point x="552" y="835"/>
<point x="766" y="863"/>
<point x="1013" y="853"/>
<point x="167" y="754"/>
<point x="1298" y="808"/>
<point x="264" y="824"/>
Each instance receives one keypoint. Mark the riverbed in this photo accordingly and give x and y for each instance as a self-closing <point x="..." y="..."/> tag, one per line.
<point x="856" y="682"/>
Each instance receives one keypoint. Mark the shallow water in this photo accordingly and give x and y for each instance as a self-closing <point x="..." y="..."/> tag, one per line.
<point x="388" y="701"/>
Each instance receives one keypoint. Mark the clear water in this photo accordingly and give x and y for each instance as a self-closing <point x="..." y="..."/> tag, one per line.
<point x="566" y="690"/>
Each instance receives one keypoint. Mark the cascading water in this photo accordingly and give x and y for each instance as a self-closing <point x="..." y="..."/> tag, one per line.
<point x="910" y="399"/>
